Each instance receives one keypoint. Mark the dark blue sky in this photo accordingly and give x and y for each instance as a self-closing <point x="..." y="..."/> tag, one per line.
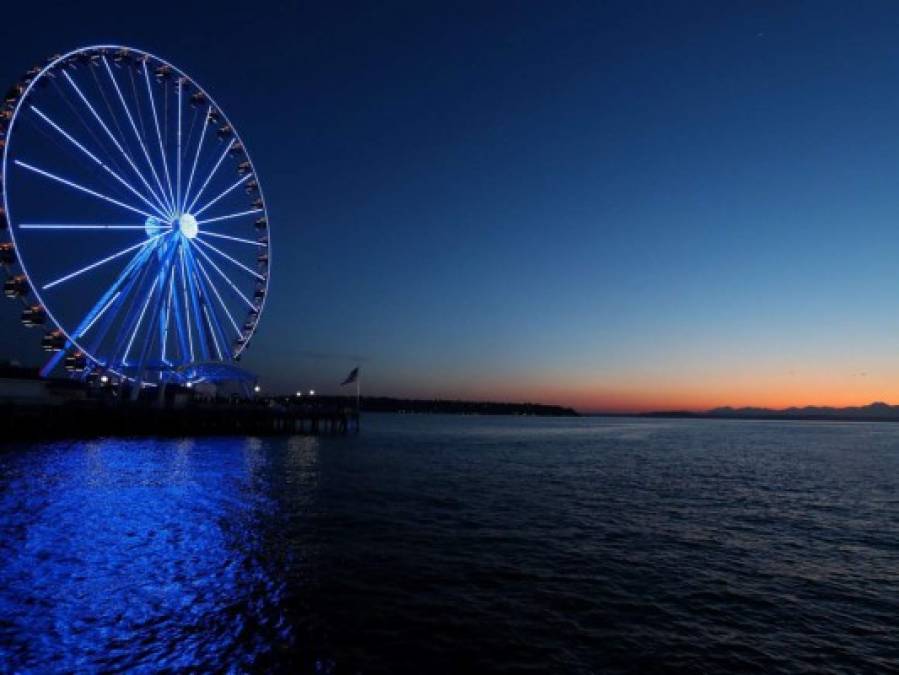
<point x="608" y="204"/>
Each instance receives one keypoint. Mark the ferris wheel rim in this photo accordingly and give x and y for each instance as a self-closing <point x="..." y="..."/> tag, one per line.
<point x="103" y="49"/>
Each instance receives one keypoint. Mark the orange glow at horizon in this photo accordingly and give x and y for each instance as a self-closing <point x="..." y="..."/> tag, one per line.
<point x="749" y="389"/>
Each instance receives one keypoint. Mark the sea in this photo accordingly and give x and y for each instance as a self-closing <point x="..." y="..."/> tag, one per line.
<point x="450" y="544"/>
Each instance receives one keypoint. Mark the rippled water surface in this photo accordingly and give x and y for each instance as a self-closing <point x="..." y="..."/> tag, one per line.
<point x="451" y="544"/>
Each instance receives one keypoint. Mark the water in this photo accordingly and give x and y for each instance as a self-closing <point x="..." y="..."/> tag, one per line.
<point x="451" y="544"/>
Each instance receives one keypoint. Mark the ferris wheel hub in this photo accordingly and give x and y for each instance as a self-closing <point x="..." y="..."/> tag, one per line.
<point x="187" y="224"/>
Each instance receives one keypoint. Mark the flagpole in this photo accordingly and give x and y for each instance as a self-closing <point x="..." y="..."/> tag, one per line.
<point x="354" y="377"/>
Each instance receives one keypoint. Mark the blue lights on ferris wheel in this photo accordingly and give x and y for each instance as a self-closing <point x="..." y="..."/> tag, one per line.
<point x="119" y="172"/>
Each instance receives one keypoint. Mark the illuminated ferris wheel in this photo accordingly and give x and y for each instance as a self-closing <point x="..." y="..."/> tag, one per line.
<point x="136" y="230"/>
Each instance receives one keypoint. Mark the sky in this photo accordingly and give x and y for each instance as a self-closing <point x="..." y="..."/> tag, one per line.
<point x="617" y="206"/>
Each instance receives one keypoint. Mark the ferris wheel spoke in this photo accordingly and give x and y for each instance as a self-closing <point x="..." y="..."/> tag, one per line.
<point x="177" y="317"/>
<point x="140" y="319"/>
<point x="193" y="168"/>
<point x="99" y="314"/>
<point x="76" y="186"/>
<point x="229" y="216"/>
<point x="209" y="177"/>
<point x="105" y="128"/>
<point x="140" y="140"/>
<point x="218" y="350"/>
<point x="103" y="261"/>
<point x="96" y="159"/>
<point x="225" y="277"/>
<point x="164" y="331"/>
<point x="165" y="162"/>
<point x="206" y="233"/>
<point x="236" y="185"/>
<point x="217" y="330"/>
<point x="157" y="292"/>
<point x="187" y="326"/>
<point x="178" y="180"/>
<point x="229" y="258"/>
<point x="202" y="338"/>
<point x="36" y="226"/>
<point x="217" y="295"/>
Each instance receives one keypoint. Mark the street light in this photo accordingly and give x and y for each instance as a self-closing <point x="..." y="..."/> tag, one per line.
<point x="257" y="388"/>
<point x="312" y="392"/>
<point x="104" y="379"/>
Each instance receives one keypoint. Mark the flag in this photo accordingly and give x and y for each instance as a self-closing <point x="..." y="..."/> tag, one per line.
<point x="352" y="377"/>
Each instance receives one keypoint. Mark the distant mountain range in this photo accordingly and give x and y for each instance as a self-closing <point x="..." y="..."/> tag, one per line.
<point x="872" y="411"/>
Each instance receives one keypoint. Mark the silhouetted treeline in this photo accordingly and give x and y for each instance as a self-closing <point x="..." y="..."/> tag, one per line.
<point x="381" y="404"/>
<point x="406" y="405"/>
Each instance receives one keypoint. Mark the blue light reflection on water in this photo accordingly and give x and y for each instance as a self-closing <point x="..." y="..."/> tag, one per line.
<point x="430" y="544"/>
<point x="121" y="553"/>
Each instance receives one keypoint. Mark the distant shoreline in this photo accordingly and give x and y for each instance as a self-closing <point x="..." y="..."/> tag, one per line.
<point x="874" y="412"/>
<point x="453" y="407"/>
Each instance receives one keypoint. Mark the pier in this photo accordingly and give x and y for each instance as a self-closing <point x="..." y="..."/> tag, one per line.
<point x="93" y="420"/>
<point x="67" y="409"/>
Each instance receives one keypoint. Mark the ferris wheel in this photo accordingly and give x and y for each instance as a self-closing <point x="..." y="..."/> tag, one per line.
<point x="136" y="230"/>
